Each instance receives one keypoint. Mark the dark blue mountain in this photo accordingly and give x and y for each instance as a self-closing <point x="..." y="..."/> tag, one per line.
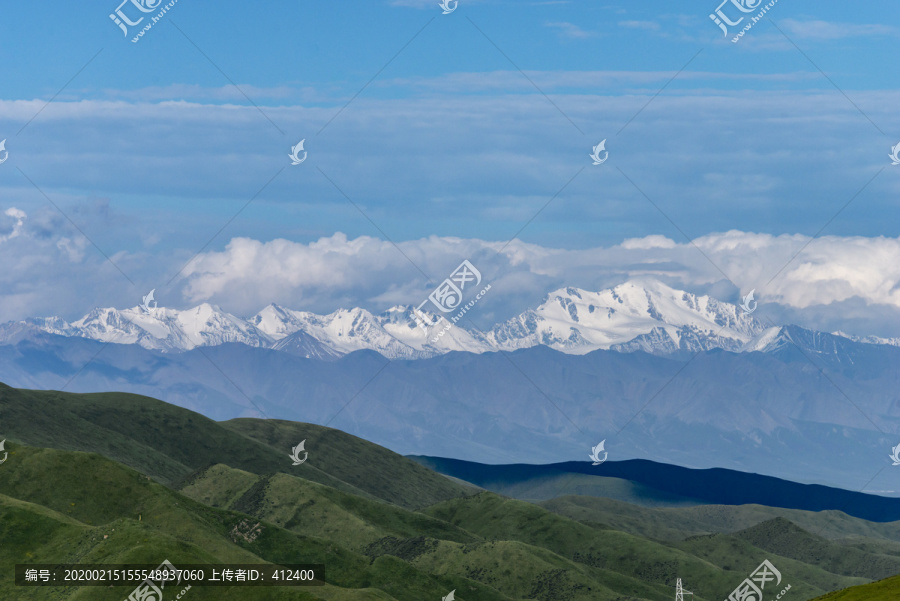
<point x="714" y="486"/>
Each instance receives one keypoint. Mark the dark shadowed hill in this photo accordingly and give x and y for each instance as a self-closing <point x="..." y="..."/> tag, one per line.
<point x="663" y="481"/>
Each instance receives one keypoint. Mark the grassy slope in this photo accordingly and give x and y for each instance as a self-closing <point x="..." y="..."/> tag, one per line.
<point x="64" y="503"/>
<point x="668" y="523"/>
<point x="169" y="443"/>
<point x="718" y="566"/>
<point x="883" y="590"/>
<point x="400" y="480"/>
<point x="789" y="540"/>
<point x="379" y="530"/>
<point x="31" y="533"/>
<point x="312" y="508"/>
<point x="351" y="506"/>
<point x="542" y="488"/>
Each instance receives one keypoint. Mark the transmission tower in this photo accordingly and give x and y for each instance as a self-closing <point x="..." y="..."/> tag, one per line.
<point x="680" y="592"/>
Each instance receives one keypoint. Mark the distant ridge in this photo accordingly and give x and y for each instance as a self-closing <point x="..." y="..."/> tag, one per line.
<point x="638" y="315"/>
<point x="767" y="412"/>
<point x="715" y="486"/>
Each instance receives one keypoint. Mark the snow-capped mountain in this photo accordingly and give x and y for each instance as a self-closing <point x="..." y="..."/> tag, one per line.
<point x="160" y="329"/>
<point x="834" y="349"/>
<point x="393" y="333"/>
<point x="895" y="341"/>
<point x="168" y="329"/>
<point x="639" y="315"/>
<point x="747" y="409"/>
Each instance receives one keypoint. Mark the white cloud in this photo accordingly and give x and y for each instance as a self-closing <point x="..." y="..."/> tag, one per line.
<point x="611" y="81"/>
<point x="73" y="248"/>
<point x="849" y="283"/>
<point x="16" y="228"/>
<point x="570" y="30"/>
<point x="647" y="25"/>
<point x="824" y="30"/>
<point x="49" y="267"/>
<point x="764" y="161"/>
<point x="648" y="242"/>
<point x="225" y="93"/>
<point x="337" y="271"/>
<point x="805" y="31"/>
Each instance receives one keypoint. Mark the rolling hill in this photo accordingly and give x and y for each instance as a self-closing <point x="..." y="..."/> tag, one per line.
<point x="169" y="443"/>
<point x="883" y="590"/>
<point x="115" y="478"/>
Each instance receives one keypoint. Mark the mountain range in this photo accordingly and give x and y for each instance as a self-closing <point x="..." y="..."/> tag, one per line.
<point x="644" y="315"/>
<point x="122" y="479"/>
<point x="682" y="379"/>
<point x="816" y="408"/>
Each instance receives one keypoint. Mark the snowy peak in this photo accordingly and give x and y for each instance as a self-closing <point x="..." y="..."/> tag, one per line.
<point x="304" y="345"/>
<point x="638" y="315"/>
<point x="166" y="329"/>
<point x="579" y="321"/>
<point x="810" y="344"/>
<point x="207" y="325"/>
<point x="895" y="341"/>
<point x="769" y="340"/>
<point x="393" y="333"/>
<point x="338" y="333"/>
<point x="641" y="300"/>
<point x="277" y="322"/>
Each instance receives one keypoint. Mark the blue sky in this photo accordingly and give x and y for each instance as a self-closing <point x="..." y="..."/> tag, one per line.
<point x="148" y="153"/>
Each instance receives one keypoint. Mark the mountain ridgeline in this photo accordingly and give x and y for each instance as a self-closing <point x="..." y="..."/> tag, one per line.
<point x="120" y="478"/>
<point x="643" y="315"/>
<point x="816" y="408"/>
<point x="668" y="484"/>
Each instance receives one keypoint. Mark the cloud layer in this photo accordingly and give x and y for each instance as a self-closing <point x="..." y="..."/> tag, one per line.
<point x="846" y="283"/>
<point x="849" y="283"/>
<point x="477" y="165"/>
<point x="375" y="273"/>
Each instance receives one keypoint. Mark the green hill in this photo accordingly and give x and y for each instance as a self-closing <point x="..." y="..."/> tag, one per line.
<point x="112" y="478"/>
<point x="354" y="461"/>
<point x="169" y="443"/>
<point x="676" y="523"/>
<point x="883" y="590"/>
<point x="788" y="540"/>
<point x="71" y="507"/>
<point x="313" y="508"/>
